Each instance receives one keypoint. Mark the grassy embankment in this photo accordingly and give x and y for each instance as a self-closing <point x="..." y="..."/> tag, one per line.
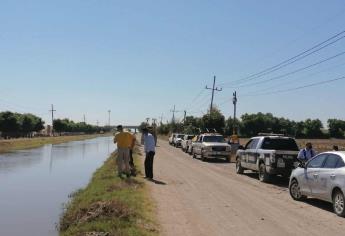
<point x="25" y="143"/>
<point x="110" y="206"/>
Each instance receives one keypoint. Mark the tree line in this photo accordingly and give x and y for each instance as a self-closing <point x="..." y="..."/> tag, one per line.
<point x="15" y="125"/>
<point x="19" y="125"/>
<point x="69" y="126"/>
<point x="251" y="124"/>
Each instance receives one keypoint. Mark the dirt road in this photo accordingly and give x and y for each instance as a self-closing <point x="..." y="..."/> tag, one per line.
<point x="209" y="198"/>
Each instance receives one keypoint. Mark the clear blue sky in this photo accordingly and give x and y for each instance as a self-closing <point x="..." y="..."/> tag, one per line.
<point x="139" y="58"/>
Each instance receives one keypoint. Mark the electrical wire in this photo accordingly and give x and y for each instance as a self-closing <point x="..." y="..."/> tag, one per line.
<point x="292" y="60"/>
<point x="292" y="72"/>
<point x="297" y="88"/>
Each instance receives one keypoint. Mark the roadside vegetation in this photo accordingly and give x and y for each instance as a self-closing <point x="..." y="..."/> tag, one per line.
<point x="110" y="206"/>
<point x="7" y="145"/>
<point x="251" y="124"/>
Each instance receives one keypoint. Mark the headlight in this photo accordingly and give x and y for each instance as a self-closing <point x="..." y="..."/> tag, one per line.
<point x="208" y="149"/>
<point x="273" y="158"/>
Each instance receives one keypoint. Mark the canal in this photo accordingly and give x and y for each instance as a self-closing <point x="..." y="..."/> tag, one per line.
<point x="36" y="183"/>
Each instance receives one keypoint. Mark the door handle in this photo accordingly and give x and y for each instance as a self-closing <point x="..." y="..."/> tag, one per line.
<point x="315" y="176"/>
<point x="332" y="176"/>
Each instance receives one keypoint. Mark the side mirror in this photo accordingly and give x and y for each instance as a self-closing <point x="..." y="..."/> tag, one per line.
<point x="302" y="165"/>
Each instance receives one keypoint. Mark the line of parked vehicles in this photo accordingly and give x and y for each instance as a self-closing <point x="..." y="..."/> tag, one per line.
<point x="322" y="177"/>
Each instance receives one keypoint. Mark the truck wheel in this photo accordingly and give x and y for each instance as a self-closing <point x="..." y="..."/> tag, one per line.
<point x="203" y="158"/>
<point x="228" y="159"/>
<point x="295" y="192"/>
<point x="194" y="155"/>
<point x="339" y="203"/>
<point x="239" y="168"/>
<point x="263" y="175"/>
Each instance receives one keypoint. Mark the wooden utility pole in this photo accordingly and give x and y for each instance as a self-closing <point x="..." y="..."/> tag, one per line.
<point x="234" y="101"/>
<point x="213" y="89"/>
<point x="109" y="117"/>
<point x="52" y="111"/>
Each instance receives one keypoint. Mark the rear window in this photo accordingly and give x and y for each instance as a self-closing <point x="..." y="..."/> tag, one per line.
<point x="213" y="139"/>
<point x="279" y="144"/>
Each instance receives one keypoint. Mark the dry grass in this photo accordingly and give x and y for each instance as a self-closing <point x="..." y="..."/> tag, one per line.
<point x="110" y="206"/>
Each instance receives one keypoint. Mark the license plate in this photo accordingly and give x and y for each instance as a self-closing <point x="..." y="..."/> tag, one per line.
<point x="218" y="153"/>
<point x="280" y="163"/>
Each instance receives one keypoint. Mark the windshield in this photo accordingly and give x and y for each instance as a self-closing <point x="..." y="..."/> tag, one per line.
<point x="180" y="136"/>
<point x="213" y="139"/>
<point x="279" y="144"/>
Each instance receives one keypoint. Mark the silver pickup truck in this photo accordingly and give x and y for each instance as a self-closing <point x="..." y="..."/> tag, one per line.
<point x="210" y="146"/>
<point x="268" y="155"/>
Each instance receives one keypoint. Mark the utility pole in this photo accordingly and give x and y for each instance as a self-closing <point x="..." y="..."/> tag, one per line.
<point x="173" y="115"/>
<point x="213" y="89"/>
<point x="147" y="121"/>
<point x="184" y="117"/>
<point x="234" y="101"/>
<point x="84" y="118"/>
<point x="97" y="123"/>
<point x="161" y="118"/>
<point x="52" y="111"/>
<point x="109" y="117"/>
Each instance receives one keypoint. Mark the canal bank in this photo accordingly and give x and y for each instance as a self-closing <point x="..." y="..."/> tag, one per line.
<point x="35" y="183"/>
<point x="110" y="205"/>
<point x="8" y="145"/>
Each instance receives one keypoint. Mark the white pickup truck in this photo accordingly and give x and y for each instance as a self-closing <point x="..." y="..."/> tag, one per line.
<point x="268" y="155"/>
<point x="210" y="146"/>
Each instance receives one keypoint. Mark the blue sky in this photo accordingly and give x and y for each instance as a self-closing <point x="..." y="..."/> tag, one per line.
<point x="139" y="58"/>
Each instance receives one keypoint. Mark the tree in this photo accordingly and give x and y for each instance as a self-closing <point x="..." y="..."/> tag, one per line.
<point x="312" y="128"/>
<point x="229" y="126"/>
<point x="214" y="120"/>
<point x="336" y="128"/>
<point x="9" y="124"/>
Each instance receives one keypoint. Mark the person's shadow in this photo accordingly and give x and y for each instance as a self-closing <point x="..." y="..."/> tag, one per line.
<point x="158" y="182"/>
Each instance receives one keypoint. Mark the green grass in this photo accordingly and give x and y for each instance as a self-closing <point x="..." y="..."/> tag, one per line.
<point x="110" y="205"/>
<point x="26" y="143"/>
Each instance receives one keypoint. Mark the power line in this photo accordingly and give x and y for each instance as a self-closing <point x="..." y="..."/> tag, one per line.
<point x="297" y="88"/>
<point x="293" y="59"/>
<point x="292" y="72"/>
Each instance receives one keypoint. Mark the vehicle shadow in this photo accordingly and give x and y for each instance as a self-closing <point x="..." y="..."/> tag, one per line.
<point x="327" y="206"/>
<point x="217" y="161"/>
<point x="275" y="180"/>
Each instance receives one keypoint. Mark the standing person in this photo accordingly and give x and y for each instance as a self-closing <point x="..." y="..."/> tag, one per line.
<point x="306" y="153"/>
<point x="124" y="142"/>
<point x="335" y="148"/>
<point x="150" y="149"/>
<point x="131" y="161"/>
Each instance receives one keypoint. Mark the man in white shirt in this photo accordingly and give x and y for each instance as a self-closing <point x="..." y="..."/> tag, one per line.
<point x="306" y="153"/>
<point x="150" y="150"/>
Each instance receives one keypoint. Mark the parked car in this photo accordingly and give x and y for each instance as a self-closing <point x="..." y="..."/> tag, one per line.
<point x="268" y="155"/>
<point x="178" y="140"/>
<point x="211" y="146"/>
<point x="322" y="177"/>
<point x="186" y="141"/>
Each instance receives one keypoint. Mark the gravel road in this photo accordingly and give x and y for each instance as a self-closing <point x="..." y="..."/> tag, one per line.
<point x="209" y="198"/>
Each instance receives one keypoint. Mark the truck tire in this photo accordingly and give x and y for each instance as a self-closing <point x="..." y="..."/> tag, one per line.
<point x="203" y="158"/>
<point x="193" y="154"/>
<point x="228" y="159"/>
<point x="263" y="175"/>
<point x="239" y="168"/>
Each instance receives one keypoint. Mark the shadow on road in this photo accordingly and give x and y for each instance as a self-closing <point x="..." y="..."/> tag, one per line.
<point x="217" y="161"/>
<point x="275" y="180"/>
<point x="327" y="206"/>
<point x="157" y="182"/>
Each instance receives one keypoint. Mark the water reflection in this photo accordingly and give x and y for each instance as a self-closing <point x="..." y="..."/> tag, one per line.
<point x="31" y="196"/>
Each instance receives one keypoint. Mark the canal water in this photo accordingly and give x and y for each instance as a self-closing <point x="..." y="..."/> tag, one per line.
<point x="35" y="183"/>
